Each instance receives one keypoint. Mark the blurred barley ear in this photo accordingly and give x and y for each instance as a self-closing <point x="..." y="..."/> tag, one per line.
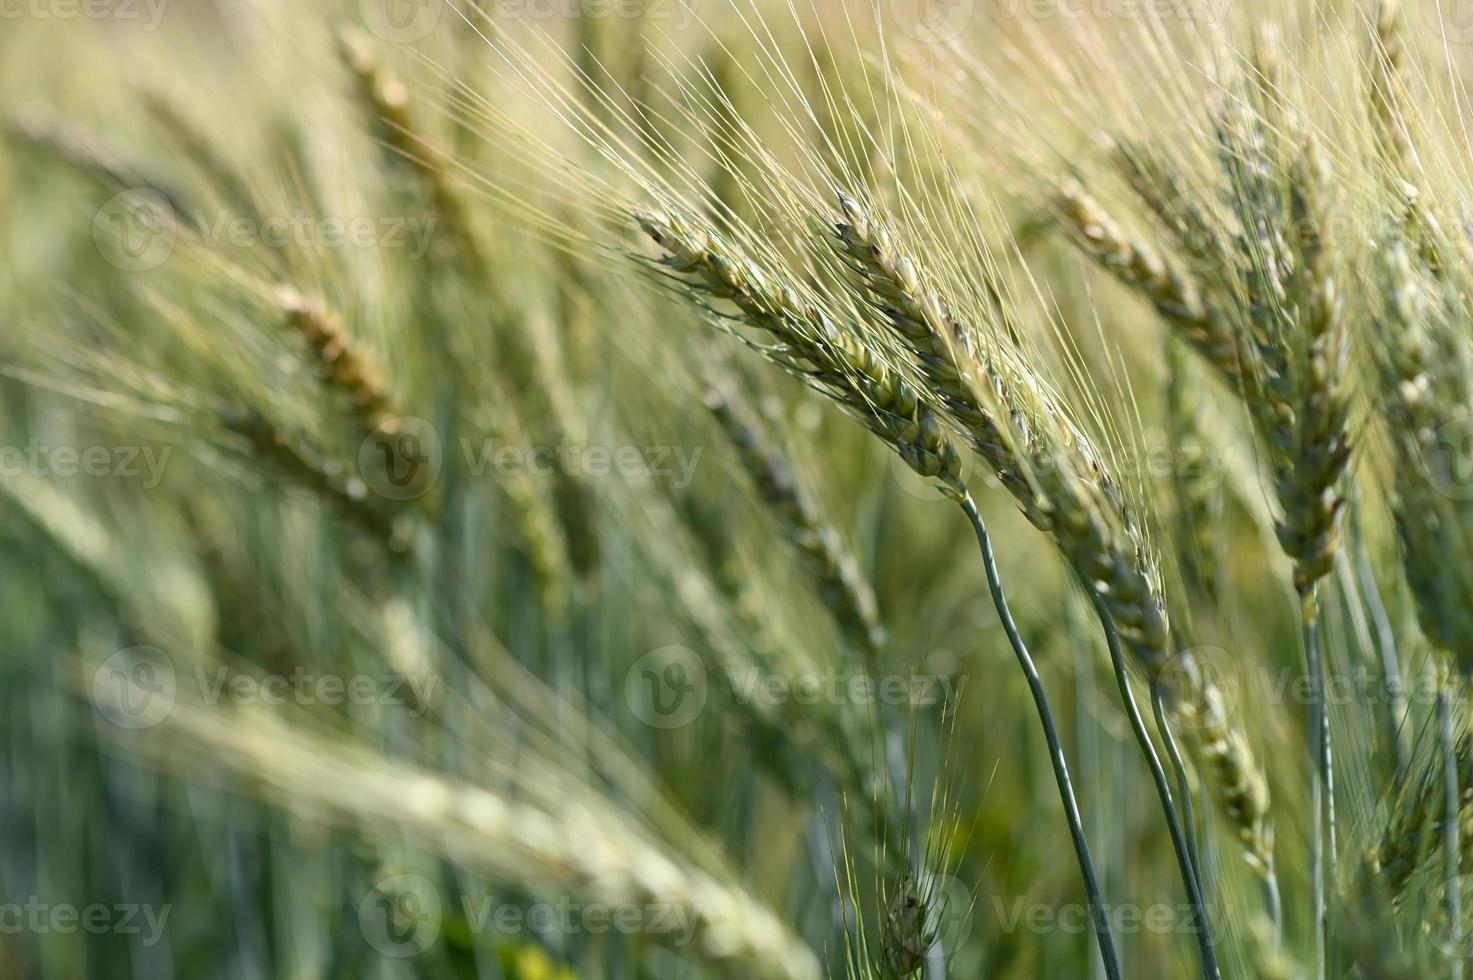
<point x="836" y="575"/>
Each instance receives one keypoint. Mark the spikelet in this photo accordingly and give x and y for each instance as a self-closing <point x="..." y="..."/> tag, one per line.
<point x="339" y="361"/>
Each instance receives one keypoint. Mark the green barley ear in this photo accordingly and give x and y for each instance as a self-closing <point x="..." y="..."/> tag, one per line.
<point x="1061" y="484"/>
<point x="1421" y="346"/>
<point x="584" y="847"/>
<point x="1272" y="322"/>
<point x="1313" y="412"/>
<point x="809" y="343"/>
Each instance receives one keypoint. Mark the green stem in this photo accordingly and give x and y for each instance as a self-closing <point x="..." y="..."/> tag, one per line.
<point x="1179" y="772"/>
<point x="1323" y="782"/>
<point x="1386" y="647"/>
<point x="1051" y="734"/>
<point x="1185" y="864"/>
<point x="1450" y="852"/>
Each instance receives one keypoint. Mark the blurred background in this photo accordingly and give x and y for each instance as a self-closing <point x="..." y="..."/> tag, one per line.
<point x="396" y="582"/>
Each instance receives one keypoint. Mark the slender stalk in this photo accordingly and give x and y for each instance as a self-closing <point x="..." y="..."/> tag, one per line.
<point x="1184" y="859"/>
<point x="1183" y="786"/>
<point x="1323" y="781"/>
<point x="1056" y="751"/>
<point x="1273" y="904"/>
<point x="1087" y="742"/>
<point x="1386" y="646"/>
<point x="1450" y="850"/>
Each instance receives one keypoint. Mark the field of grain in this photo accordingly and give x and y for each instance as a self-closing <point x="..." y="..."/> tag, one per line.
<point x="783" y="489"/>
